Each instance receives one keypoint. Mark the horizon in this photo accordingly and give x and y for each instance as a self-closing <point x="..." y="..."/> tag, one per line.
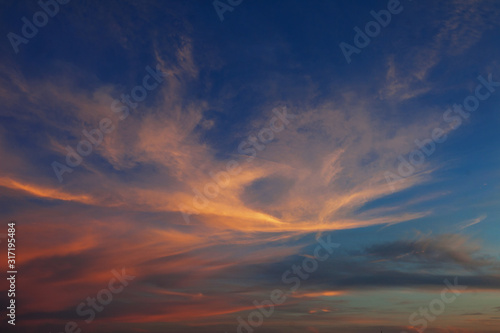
<point x="250" y="166"/>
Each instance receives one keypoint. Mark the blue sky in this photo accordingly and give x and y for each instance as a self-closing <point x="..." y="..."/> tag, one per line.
<point x="202" y="250"/>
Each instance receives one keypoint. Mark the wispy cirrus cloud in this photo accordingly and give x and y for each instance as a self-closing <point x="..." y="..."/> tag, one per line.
<point x="324" y="172"/>
<point x="472" y="222"/>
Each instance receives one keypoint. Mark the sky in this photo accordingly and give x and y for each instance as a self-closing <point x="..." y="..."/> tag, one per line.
<point x="251" y="166"/>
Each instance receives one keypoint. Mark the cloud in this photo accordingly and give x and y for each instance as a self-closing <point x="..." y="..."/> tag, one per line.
<point x="437" y="251"/>
<point x="473" y="222"/>
<point x="454" y="28"/>
<point x="323" y="172"/>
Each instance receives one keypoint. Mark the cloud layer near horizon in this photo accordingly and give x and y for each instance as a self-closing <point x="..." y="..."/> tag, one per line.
<point x="322" y="174"/>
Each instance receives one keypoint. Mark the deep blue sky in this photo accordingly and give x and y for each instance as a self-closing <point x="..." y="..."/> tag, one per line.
<point x="140" y="200"/>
